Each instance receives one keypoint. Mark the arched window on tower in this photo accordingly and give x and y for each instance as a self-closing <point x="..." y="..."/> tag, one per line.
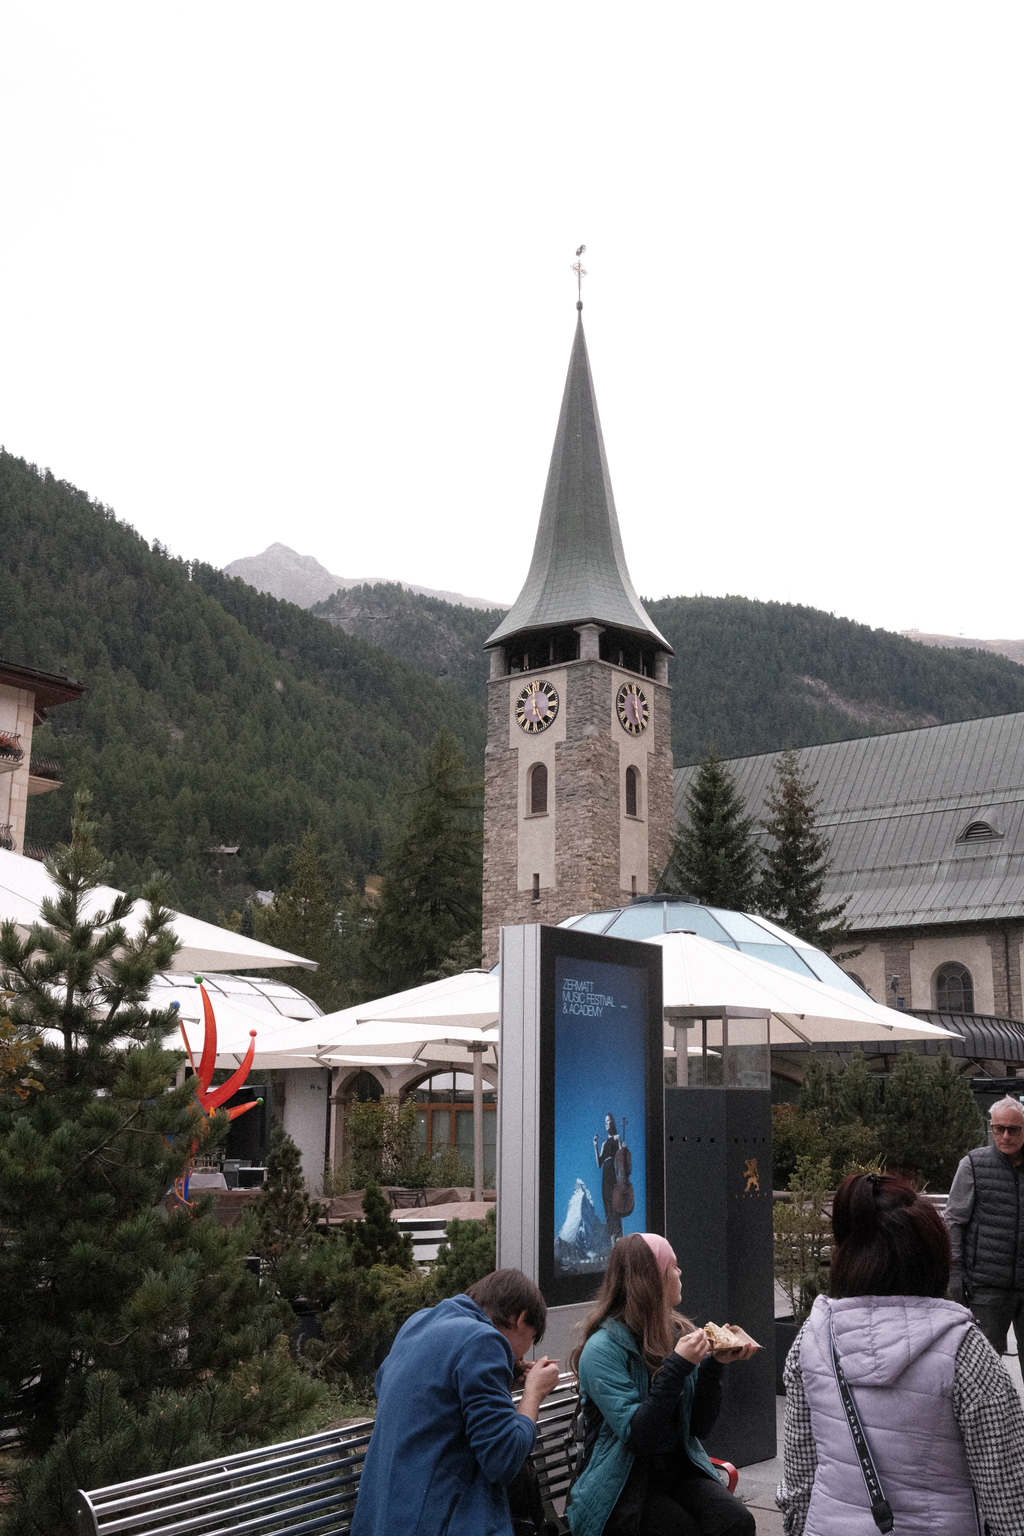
<point x="538" y="790"/>
<point x="954" y="989"/>
<point x="632" y="792"/>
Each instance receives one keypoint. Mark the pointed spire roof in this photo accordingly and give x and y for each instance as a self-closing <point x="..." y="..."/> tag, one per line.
<point x="578" y="573"/>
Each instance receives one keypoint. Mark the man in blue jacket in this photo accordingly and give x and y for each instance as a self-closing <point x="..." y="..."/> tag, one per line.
<point x="448" y="1439"/>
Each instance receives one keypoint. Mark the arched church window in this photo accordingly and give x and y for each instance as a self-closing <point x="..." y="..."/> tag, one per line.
<point x="365" y="1089"/>
<point x="538" y="790"/>
<point x="632" y="792"/>
<point x="954" y="988"/>
<point x="444" y="1122"/>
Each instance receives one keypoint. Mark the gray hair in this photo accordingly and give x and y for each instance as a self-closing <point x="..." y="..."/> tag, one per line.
<point x="1008" y="1103"/>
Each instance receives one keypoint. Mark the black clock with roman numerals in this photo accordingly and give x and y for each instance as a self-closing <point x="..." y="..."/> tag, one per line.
<point x="632" y="708"/>
<point x="536" y="707"/>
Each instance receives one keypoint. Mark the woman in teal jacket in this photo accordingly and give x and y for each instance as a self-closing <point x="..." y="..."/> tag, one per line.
<point x="649" y="1386"/>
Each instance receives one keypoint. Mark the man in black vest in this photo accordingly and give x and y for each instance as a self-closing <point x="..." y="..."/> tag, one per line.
<point x="985" y="1217"/>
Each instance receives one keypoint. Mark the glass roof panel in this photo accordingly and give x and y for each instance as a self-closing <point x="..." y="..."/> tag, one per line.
<point x="593" y="922"/>
<point x="754" y="935"/>
<point x="826" y="969"/>
<point x="640" y="922"/>
<point x="743" y="928"/>
<point x="779" y="933"/>
<point x="700" y="920"/>
<point x="779" y="954"/>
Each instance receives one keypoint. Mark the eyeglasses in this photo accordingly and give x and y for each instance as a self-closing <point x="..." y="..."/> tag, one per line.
<point x="1008" y="1130"/>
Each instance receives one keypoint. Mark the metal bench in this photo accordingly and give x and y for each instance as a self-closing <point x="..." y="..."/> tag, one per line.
<point x="295" y="1489"/>
<point x="299" y="1488"/>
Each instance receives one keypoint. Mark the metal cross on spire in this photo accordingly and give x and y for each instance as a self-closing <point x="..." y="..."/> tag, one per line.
<point x="581" y="273"/>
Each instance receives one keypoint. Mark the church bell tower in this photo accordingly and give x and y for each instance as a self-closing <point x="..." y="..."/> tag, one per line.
<point x="578" y="777"/>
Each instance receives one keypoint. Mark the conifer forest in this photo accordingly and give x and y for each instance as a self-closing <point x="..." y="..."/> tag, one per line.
<point x="218" y="717"/>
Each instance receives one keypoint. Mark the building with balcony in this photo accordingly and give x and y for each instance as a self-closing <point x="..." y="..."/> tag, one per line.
<point x="25" y="696"/>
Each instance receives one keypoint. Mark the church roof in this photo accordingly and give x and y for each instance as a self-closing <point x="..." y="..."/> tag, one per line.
<point x="578" y="573"/>
<point x="925" y="826"/>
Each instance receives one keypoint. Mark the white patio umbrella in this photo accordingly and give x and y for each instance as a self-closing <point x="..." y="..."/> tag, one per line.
<point x="712" y="981"/>
<point x="469" y="1000"/>
<point x="739" y="999"/>
<point x="25" y="884"/>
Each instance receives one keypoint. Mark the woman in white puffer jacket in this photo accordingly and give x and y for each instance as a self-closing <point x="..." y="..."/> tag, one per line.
<point x="941" y="1416"/>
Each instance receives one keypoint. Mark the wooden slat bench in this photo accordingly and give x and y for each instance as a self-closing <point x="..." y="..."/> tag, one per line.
<point x="299" y="1488"/>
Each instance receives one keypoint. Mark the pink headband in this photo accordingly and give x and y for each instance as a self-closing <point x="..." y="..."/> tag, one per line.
<point x="661" y="1249"/>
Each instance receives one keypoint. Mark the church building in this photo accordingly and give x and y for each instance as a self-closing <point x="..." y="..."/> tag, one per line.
<point x="926" y="845"/>
<point x="578" y="778"/>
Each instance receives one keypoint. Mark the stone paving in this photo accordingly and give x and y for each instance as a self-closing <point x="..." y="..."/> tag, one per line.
<point x="757" y="1483"/>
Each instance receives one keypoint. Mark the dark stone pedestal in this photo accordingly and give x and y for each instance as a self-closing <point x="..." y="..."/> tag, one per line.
<point x="718" y="1208"/>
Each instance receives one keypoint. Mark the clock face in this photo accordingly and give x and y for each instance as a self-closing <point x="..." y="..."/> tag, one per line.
<point x="632" y="708"/>
<point x="536" y="707"/>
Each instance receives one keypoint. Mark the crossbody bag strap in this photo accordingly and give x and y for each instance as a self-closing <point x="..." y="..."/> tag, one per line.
<point x="881" y="1511"/>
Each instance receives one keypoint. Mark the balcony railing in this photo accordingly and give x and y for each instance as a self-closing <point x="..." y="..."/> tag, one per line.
<point x="45" y="768"/>
<point x="11" y="750"/>
<point x="38" y="851"/>
<point x="7" y="837"/>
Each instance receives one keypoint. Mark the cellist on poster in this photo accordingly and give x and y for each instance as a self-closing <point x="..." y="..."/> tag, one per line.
<point x="615" y="1162"/>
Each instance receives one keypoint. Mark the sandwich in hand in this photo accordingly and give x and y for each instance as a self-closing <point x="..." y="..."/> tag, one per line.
<point x="724" y="1337"/>
<point x="727" y="1342"/>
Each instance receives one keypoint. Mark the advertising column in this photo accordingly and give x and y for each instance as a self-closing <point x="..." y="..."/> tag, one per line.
<point x="581" y="1110"/>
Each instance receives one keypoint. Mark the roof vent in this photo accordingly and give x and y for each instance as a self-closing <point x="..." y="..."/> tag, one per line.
<point x="979" y="832"/>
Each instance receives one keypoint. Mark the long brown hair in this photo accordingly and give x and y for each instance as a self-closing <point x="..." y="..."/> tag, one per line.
<point x="633" y="1293"/>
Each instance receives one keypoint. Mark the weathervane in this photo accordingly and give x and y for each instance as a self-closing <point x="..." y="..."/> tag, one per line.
<point x="581" y="273"/>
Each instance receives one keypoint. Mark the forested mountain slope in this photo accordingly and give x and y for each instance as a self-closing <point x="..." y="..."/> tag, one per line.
<point x="214" y="715"/>
<point x="748" y="676"/>
<point x="444" y="639"/>
<point x="217" y="715"/>
<point x="755" y="677"/>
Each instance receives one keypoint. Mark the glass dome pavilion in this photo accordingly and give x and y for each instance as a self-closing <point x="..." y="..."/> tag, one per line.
<point x="751" y="935"/>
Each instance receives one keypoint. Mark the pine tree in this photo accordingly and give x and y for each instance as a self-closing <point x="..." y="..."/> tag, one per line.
<point x="929" y="1119"/>
<point x="286" y="1217"/>
<point x="714" y="857"/>
<point x="819" y="1087"/>
<point x="303" y="919"/>
<point x="468" y="1253"/>
<point x="796" y="863"/>
<point x="859" y="1092"/>
<point x="372" y="1284"/>
<point x="431" y="885"/>
<point x="377" y="1239"/>
<point x="130" y="1342"/>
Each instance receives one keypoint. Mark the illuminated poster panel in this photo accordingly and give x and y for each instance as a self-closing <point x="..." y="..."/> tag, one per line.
<point x="601" y="1105"/>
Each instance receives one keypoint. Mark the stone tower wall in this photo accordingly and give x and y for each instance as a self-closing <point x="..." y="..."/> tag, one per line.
<point x="660" y="768"/>
<point x="587" y="813"/>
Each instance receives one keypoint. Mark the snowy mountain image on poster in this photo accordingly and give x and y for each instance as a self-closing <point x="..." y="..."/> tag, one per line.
<point x="600" y="1013"/>
<point x="583" y="1244"/>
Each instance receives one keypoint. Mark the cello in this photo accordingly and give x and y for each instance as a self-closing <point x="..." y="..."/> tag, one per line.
<point x="623" y="1199"/>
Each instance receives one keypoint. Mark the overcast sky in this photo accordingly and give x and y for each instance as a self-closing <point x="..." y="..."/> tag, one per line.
<point x="302" y="273"/>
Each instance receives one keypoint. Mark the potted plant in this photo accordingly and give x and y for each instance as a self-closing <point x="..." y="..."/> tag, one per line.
<point x="803" y="1237"/>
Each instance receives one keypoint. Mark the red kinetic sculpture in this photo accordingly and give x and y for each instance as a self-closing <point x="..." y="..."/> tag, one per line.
<point x="211" y="1099"/>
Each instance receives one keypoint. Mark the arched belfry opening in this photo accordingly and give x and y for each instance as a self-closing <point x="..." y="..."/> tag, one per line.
<point x="579" y="703"/>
